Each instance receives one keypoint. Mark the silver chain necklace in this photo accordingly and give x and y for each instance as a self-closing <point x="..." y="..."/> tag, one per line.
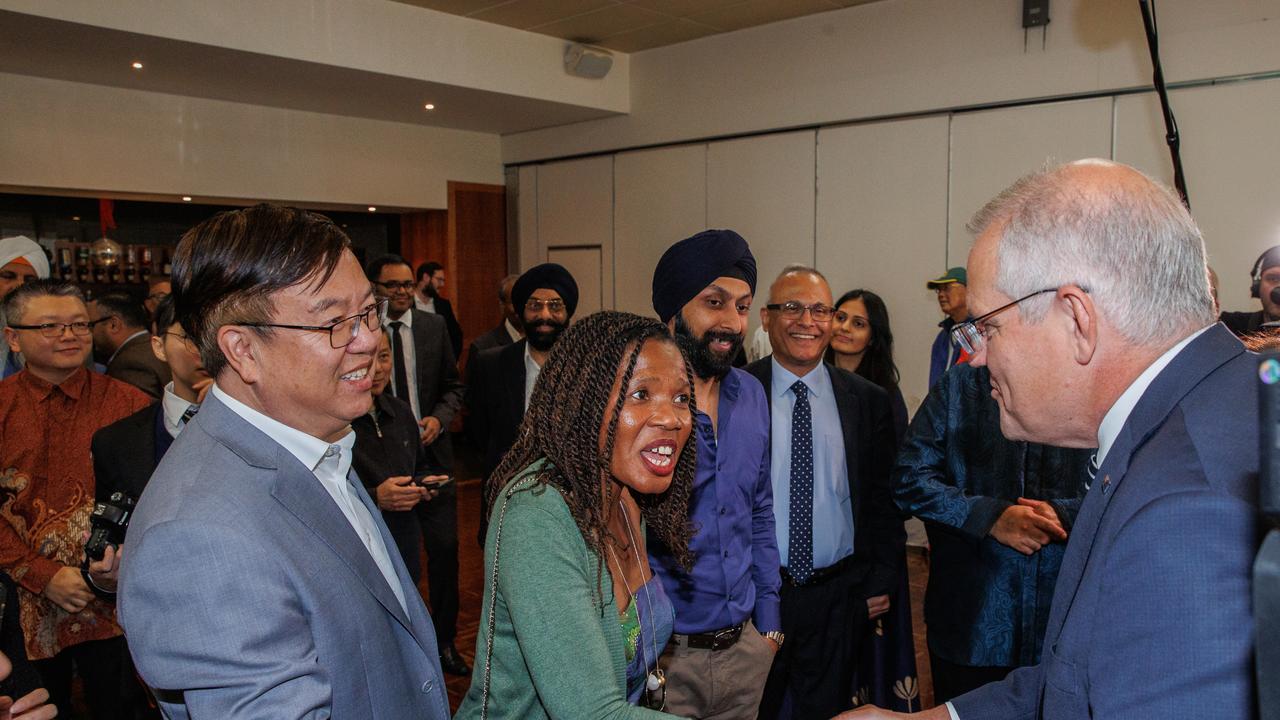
<point x="656" y="677"/>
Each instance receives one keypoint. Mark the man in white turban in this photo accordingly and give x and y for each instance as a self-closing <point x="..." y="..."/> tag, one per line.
<point x="21" y="260"/>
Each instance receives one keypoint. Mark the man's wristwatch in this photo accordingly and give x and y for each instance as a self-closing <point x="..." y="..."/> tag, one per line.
<point x="776" y="636"/>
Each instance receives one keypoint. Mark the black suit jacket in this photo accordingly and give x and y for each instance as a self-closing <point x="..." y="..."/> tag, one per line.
<point x="445" y="310"/>
<point x="497" y="337"/>
<point x="495" y="401"/>
<point x="440" y="390"/>
<point x="124" y="454"/>
<point x="866" y="418"/>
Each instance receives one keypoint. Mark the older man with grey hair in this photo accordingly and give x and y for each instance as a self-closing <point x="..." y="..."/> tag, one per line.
<point x="1092" y="311"/>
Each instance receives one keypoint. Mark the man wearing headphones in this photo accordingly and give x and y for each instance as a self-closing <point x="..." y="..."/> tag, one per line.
<point x="1266" y="283"/>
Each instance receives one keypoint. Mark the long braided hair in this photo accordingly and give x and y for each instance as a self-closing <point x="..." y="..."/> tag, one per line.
<point x="562" y="424"/>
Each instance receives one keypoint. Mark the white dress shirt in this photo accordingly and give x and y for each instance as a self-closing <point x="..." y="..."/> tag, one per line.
<point x="331" y="464"/>
<point x="512" y="332"/>
<point x="531" y="370"/>
<point x="1119" y="413"/>
<point x="174" y="408"/>
<point x="428" y="305"/>
<point x="410" y="359"/>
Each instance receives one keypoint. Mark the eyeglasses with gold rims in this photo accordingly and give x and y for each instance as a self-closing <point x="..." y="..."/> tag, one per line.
<point x="793" y="310"/>
<point x="971" y="335"/>
<point x="341" y="332"/>
<point x="534" y="305"/>
<point x="53" y="330"/>
<point x="184" y="339"/>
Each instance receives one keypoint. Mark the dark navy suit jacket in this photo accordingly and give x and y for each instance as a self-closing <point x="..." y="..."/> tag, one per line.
<point x="1151" y="616"/>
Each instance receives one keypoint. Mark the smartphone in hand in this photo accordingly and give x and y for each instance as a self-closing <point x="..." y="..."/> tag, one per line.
<point x="422" y="482"/>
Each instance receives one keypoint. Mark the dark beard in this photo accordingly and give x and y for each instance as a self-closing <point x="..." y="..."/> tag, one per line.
<point x="542" y="334"/>
<point x="707" y="363"/>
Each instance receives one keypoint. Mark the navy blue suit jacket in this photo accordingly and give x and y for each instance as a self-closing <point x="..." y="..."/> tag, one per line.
<point x="1151" y="615"/>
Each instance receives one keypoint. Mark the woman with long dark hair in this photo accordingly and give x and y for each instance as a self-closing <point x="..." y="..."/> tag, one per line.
<point x="862" y="343"/>
<point x="573" y="621"/>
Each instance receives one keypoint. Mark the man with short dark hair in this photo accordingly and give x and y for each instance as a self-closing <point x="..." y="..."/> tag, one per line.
<point x="952" y="293"/>
<point x="500" y="380"/>
<point x="727" y="625"/>
<point x="1264" y="279"/>
<point x="430" y="279"/>
<point x="260" y="579"/>
<point x="840" y="539"/>
<point x="509" y="330"/>
<point x="158" y="288"/>
<point x="121" y="341"/>
<point x="126" y="453"/>
<point x="1094" y="318"/>
<point x="425" y="374"/>
<point x="48" y="413"/>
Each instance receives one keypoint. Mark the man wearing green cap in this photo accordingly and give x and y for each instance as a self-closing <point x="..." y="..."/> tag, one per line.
<point x="951" y="289"/>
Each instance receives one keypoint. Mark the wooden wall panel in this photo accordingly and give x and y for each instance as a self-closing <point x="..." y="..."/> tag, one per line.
<point x="424" y="236"/>
<point x="477" y="255"/>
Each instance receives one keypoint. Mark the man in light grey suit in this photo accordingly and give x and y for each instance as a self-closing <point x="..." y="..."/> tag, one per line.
<point x="258" y="580"/>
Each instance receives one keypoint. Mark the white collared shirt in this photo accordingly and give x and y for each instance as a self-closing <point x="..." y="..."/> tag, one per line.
<point x="428" y="305"/>
<point x="512" y="332"/>
<point x="531" y="370"/>
<point x="1119" y="413"/>
<point x="174" y="408"/>
<point x="1116" y="417"/>
<point x="331" y="464"/>
<point x="410" y="361"/>
<point x="126" y="342"/>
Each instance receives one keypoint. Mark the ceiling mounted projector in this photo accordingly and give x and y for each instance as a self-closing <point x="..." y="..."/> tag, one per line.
<point x="588" y="62"/>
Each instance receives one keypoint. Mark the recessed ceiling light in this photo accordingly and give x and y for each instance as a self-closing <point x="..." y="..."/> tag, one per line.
<point x="137" y="65"/>
<point x="76" y="218"/>
<point x="373" y="209"/>
<point x="429" y="106"/>
<point x="186" y="198"/>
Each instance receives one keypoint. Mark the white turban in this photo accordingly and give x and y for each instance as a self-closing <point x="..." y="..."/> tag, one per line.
<point x="12" y="248"/>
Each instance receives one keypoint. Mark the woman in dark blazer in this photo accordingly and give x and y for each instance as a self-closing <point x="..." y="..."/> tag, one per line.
<point x="388" y="456"/>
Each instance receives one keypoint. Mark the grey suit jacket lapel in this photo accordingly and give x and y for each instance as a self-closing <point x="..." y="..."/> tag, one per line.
<point x="296" y="488"/>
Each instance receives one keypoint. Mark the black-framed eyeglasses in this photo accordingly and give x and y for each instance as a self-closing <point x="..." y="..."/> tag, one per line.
<point x="793" y="310"/>
<point x="186" y="340"/>
<point x="53" y="330"/>
<point x="406" y="285"/>
<point x="341" y="332"/>
<point x="971" y="335"/>
<point x="534" y="305"/>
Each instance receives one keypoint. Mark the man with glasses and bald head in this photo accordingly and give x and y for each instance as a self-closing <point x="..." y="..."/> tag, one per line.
<point x="49" y="411"/>
<point x="260" y="579"/>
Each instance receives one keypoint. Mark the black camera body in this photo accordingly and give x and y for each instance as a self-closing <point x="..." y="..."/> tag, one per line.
<point x="108" y="524"/>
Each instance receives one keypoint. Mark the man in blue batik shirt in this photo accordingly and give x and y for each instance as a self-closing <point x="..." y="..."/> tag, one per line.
<point x="727" y="625"/>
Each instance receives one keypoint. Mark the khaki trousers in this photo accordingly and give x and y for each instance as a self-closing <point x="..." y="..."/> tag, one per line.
<point x="717" y="684"/>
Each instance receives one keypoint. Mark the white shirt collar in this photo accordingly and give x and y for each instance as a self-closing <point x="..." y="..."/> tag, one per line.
<point x="512" y="331"/>
<point x="1119" y="413"/>
<point x="530" y="365"/>
<point x="819" y="383"/>
<point x="308" y="449"/>
<point x="126" y="342"/>
<point x="406" y="319"/>
<point x="174" y="408"/>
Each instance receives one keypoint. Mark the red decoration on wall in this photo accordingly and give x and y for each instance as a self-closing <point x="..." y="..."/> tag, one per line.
<point x="106" y="215"/>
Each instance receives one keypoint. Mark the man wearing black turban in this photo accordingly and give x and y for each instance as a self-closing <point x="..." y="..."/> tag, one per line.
<point x="502" y="379"/>
<point x="728" y="623"/>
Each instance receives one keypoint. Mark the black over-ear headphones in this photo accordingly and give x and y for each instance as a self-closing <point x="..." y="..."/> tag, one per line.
<point x="1256" y="276"/>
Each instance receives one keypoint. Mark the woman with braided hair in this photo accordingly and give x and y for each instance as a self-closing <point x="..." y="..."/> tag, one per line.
<point x="573" y="621"/>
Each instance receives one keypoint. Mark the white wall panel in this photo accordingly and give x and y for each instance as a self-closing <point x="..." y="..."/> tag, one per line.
<point x="661" y="197"/>
<point x="991" y="149"/>
<point x="1231" y="157"/>
<point x="763" y="187"/>
<point x="881" y="225"/>
<point x="586" y="266"/>
<point x="575" y="209"/>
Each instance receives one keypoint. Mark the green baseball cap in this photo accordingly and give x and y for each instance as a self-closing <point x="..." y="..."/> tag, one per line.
<point x="954" y="275"/>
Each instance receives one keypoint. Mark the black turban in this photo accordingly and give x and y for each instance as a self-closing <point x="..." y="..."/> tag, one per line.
<point x="692" y="264"/>
<point x="548" y="276"/>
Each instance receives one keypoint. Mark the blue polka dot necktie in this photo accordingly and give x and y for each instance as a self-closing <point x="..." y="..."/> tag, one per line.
<point x="800" y="530"/>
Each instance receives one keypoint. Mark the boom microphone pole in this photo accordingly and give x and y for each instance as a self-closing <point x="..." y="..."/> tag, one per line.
<point x="1170" y="124"/>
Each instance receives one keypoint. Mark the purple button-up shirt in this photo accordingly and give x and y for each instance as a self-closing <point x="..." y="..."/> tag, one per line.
<point x="735" y="552"/>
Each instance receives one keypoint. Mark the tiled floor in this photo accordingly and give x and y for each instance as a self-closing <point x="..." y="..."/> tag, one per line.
<point x="471" y="585"/>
